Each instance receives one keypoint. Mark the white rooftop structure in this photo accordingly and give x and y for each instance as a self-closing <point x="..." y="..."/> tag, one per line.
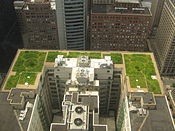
<point x="73" y="62"/>
<point x="83" y="68"/>
<point x="79" y="117"/>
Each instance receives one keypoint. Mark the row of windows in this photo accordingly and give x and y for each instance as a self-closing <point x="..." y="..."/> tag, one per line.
<point x="106" y="17"/>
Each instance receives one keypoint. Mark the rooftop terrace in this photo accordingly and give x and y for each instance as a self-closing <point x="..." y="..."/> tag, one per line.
<point x="141" y="72"/>
<point x="140" y="68"/>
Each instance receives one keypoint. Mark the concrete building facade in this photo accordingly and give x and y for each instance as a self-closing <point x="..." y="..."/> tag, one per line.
<point x="92" y="84"/>
<point x="164" y="48"/>
<point x="171" y="99"/>
<point x="96" y="74"/>
<point x="156" y="10"/>
<point x="71" y="22"/>
<point x="37" y="22"/>
<point x="121" y="26"/>
<point x="35" y="123"/>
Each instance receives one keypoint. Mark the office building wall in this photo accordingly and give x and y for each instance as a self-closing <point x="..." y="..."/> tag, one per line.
<point x="37" y="21"/>
<point x="123" y="26"/>
<point x="156" y="10"/>
<point x="71" y="22"/>
<point x="165" y="40"/>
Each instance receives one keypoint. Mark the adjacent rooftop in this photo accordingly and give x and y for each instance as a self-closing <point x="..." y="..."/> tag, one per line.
<point x="151" y="118"/>
<point x="15" y="119"/>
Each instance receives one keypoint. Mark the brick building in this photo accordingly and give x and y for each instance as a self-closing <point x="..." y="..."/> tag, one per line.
<point x="37" y="21"/>
<point x="122" y="26"/>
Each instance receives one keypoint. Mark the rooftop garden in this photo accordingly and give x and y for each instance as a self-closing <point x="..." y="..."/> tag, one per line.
<point x="141" y="72"/>
<point x="27" y="65"/>
<point x="90" y="54"/>
<point x="52" y="55"/>
<point x="116" y="57"/>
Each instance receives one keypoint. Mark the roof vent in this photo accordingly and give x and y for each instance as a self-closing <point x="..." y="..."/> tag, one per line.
<point x="79" y="110"/>
<point x="78" y="122"/>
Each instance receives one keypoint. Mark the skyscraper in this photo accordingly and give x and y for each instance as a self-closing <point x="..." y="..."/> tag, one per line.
<point x="71" y="22"/>
<point x="156" y="10"/>
<point x="164" y="48"/>
<point x="37" y="21"/>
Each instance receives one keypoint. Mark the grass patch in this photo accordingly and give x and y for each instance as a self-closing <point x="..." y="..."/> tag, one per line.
<point x="140" y="67"/>
<point x="52" y="55"/>
<point x="28" y="64"/>
<point x="94" y="55"/>
<point x="138" y="81"/>
<point x="116" y="57"/>
<point x="74" y="54"/>
<point x="27" y="77"/>
<point x="31" y="61"/>
<point x="153" y="86"/>
<point x="90" y="54"/>
<point x="12" y="82"/>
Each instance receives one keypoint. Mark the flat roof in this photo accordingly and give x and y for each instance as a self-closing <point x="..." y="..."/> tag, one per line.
<point x="57" y="127"/>
<point x="16" y="95"/>
<point x="9" y="116"/>
<point x="157" y="120"/>
<point x="26" y="120"/>
<point x="147" y="96"/>
<point x="100" y="128"/>
<point x="8" y="121"/>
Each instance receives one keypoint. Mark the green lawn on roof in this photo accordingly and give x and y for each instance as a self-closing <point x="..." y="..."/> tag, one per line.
<point x="140" y="68"/>
<point x="26" y="67"/>
<point x="90" y="54"/>
<point x="30" y="61"/>
<point x="27" y="77"/>
<point x="116" y="57"/>
<point x="12" y="82"/>
<point x="94" y="55"/>
<point x="52" y="55"/>
<point x="74" y="54"/>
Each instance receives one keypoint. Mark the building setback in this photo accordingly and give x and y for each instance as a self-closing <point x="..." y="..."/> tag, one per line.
<point x="122" y="26"/>
<point x="37" y="21"/>
<point x="164" y="48"/>
<point x="71" y="21"/>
